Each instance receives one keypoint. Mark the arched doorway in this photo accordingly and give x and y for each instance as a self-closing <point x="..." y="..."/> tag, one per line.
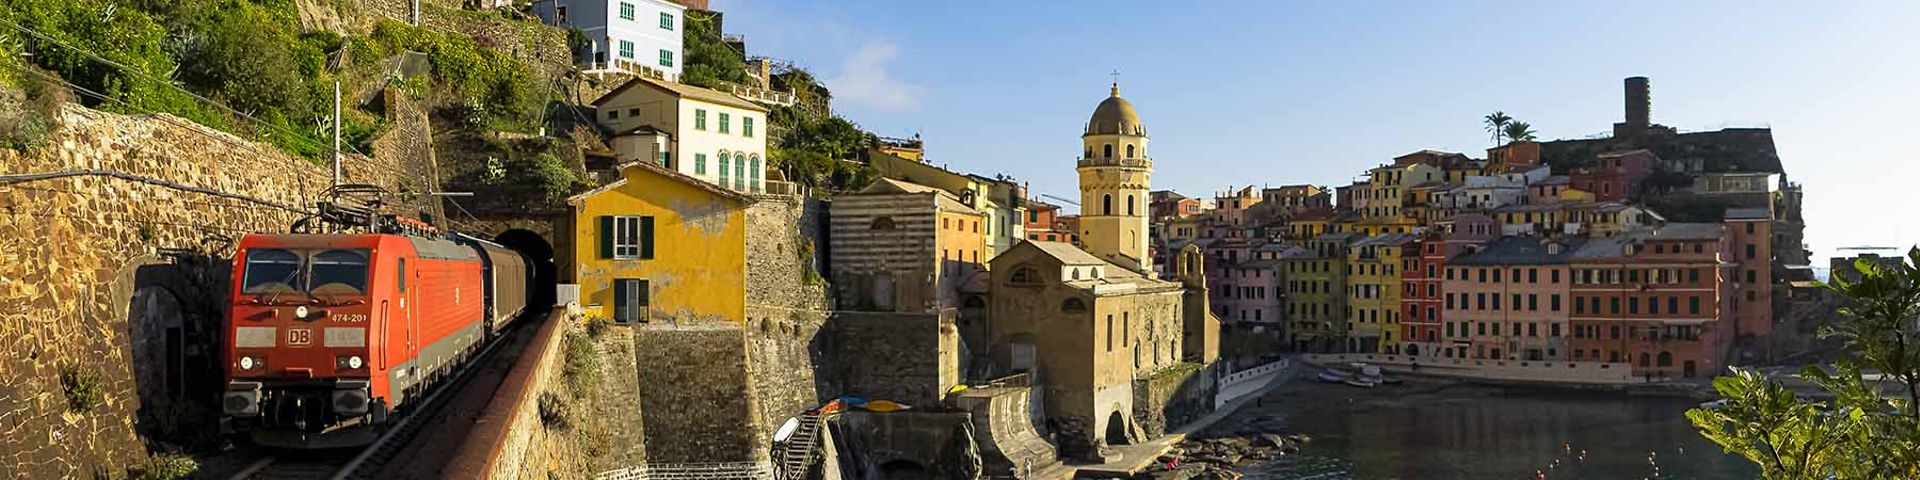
<point x="1116" y="429"/>
<point x="1413" y="350"/>
<point x="540" y="252"/>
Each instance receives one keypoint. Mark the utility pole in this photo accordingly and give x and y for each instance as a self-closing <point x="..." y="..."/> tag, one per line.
<point x="336" y="133"/>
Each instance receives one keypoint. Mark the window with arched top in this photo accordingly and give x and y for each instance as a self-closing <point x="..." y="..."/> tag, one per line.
<point x="1024" y="276"/>
<point x="1107" y="151"/>
<point x="1073" y="305"/>
<point x="974" y="301"/>
<point x="1665" y="359"/>
<point x="1106" y="204"/>
<point x="739" y="171"/>
<point x="1129" y="197"/>
<point x="883" y="223"/>
<point x="753" y="172"/>
<point x="1089" y="152"/>
<point x="1129" y="151"/>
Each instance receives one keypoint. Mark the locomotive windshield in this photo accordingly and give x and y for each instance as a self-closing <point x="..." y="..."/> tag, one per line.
<point x="272" y="270"/>
<point x="339" y="272"/>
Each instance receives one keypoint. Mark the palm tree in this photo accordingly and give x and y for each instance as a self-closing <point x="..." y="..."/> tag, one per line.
<point x="1519" y="131"/>
<point x="1497" y="124"/>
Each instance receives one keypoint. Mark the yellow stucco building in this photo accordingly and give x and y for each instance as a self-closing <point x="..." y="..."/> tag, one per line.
<point x="661" y="246"/>
<point x="1373" y="291"/>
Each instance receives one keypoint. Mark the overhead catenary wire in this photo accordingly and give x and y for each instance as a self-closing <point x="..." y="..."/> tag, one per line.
<point x="8" y="180"/>
<point x="213" y="203"/>
<point x="190" y="126"/>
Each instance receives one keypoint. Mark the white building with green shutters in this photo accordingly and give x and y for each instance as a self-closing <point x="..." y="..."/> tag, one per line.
<point x="640" y="36"/>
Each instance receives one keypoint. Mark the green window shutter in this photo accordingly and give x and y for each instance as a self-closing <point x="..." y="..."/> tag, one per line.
<point x="606" y="236"/>
<point x="646" y="237"/>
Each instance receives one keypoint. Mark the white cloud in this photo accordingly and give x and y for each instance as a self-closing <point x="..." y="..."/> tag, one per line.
<point x="863" y="80"/>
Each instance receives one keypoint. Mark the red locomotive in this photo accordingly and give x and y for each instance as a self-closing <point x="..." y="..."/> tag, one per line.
<point x="331" y="335"/>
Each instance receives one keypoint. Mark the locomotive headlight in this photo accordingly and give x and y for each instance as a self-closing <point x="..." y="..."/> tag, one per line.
<point x="246" y="363"/>
<point x="355" y="362"/>
<point x="350" y="362"/>
<point x="300" y="312"/>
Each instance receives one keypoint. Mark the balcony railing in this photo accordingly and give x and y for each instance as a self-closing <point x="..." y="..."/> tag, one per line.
<point x="1123" y="162"/>
<point x="762" y="95"/>
<point x="627" y="66"/>
<point x="776" y="187"/>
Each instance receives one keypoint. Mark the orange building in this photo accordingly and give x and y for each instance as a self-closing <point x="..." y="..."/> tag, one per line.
<point x="1659" y="299"/>
<point x="1751" y="233"/>
<point x="1509" y="300"/>
<point x="1045" y="223"/>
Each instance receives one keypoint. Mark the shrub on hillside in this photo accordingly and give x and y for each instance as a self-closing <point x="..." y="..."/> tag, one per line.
<point x="253" y="64"/>
<point x="497" y="90"/>
<point x="582" y="368"/>
<point x="29" y="105"/>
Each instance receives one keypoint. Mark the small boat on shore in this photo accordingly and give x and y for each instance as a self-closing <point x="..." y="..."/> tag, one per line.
<point x="1362" y="383"/>
<point x="1331" y="377"/>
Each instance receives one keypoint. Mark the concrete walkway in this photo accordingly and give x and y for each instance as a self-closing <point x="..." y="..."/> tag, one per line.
<point x="1134" y="458"/>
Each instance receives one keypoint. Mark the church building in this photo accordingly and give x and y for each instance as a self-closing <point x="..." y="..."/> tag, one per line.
<point x="1088" y="324"/>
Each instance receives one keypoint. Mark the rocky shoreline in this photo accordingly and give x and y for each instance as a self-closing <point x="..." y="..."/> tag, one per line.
<point x="1220" y="452"/>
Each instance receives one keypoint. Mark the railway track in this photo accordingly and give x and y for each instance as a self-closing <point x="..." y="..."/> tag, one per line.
<point x="367" y="462"/>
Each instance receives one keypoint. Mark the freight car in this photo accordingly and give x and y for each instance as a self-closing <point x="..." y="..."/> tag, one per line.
<point x="331" y="336"/>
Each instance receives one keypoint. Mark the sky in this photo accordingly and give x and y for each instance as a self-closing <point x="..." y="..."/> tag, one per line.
<point x="1272" y="93"/>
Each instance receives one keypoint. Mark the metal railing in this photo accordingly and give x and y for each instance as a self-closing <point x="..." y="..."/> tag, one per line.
<point x="801" y="450"/>
<point x="692" y="471"/>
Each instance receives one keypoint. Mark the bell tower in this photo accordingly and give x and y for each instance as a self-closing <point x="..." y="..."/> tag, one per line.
<point x="1114" y="170"/>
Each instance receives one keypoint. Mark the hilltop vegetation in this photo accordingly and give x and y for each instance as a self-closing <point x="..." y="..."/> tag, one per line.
<point x="250" y="56"/>
<point x="217" y="62"/>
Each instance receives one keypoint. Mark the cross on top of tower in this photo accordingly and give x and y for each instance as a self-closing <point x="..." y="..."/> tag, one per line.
<point x="1116" y="81"/>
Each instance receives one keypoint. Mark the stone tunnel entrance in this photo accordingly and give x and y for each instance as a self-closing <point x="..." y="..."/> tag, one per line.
<point x="904" y="470"/>
<point x="540" y="252"/>
<point x="1116" y="429"/>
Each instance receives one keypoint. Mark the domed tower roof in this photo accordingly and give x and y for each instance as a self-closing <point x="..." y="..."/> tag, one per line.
<point x="1115" y="116"/>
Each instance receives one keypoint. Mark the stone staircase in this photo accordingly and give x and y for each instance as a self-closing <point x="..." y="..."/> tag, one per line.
<point x="801" y="450"/>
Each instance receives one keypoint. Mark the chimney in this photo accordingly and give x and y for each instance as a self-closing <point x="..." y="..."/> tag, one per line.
<point x="1639" y="103"/>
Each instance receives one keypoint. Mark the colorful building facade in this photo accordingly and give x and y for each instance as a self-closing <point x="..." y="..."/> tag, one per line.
<point x="660" y="246"/>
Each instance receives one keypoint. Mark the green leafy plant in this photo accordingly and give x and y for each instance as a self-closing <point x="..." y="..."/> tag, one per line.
<point x="163" y="466"/>
<point x="1496" y="123"/>
<point x="82" y="389"/>
<point x="597" y="326"/>
<point x="1865" y="431"/>
<point x="554" y="411"/>
<point x="1518" y="131"/>
<point x="710" y="60"/>
<point x="582" y="369"/>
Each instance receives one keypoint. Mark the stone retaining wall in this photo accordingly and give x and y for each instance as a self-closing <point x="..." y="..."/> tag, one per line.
<point x="523" y="450"/>
<point x="694" y="379"/>
<point x="63" y="244"/>
<point x="79" y="256"/>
